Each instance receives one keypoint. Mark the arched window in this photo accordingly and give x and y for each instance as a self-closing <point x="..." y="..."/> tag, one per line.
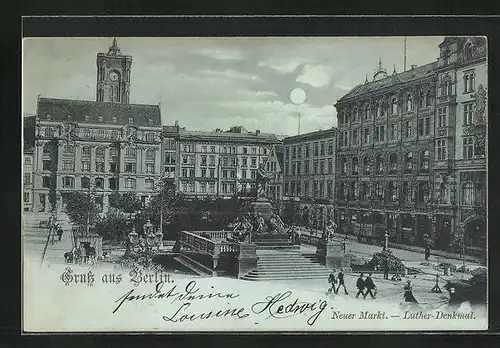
<point x="355" y="168"/>
<point x="393" y="163"/>
<point x="68" y="182"/>
<point x="86" y="151"/>
<point x="367" y="112"/>
<point x="99" y="151"/>
<point x="150" y="184"/>
<point x="379" y="110"/>
<point x="468" y="50"/>
<point x="85" y="182"/>
<point x="428" y="99"/>
<point x="409" y="103"/>
<point x="113" y="184"/>
<point x="150" y="155"/>
<point x="421" y="100"/>
<point x="343" y="165"/>
<point x="379" y="164"/>
<point x="355" y="115"/>
<point x="117" y="93"/>
<point x="113" y="151"/>
<point x="367" y="168"/>
<point x="468" y="193"/>
<point x="424" y="161"/>
<point x="47" y="149"/>
<point x="446" y="56"/>
<point x="130" y="152"/>
<point x="408" y="162"/>
<point x="394" y="106"/>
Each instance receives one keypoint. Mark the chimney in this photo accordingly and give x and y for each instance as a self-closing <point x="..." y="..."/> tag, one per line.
<point x="257" y="132"/>
<point x="217" y="130"/>
<point x="176" y="123"/>
<point x="413" y="66"/>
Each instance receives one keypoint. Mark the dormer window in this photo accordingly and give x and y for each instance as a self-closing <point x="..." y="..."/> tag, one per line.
<point x="100" y="118"/>
<point x="130" y="120"/>
<point x="114" y="119"/>
<point x="468" y="50"/>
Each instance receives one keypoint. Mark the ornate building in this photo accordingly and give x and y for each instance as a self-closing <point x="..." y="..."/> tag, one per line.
<point x="221" y="163"/>
<point x="460" y="167"/>
<point x="274" y="169"/>
<point x="385" y="154"/>
<point x="97" y="146"/>
<point x="309" y="174"/>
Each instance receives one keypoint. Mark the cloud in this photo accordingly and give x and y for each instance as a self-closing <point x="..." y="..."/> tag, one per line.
<point x="316" y="75"/>
<point x="232" y="74"/>
<point x="284" y="66"/>
<point x="221" y="53"/>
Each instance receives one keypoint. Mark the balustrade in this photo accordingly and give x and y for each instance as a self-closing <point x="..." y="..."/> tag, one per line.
<point x="213" y="247"/>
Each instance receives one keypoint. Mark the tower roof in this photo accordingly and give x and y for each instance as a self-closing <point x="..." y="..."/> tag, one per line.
<point x="114" y="50"/>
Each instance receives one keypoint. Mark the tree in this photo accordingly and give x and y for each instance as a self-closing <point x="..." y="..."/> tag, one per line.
<point x="81" y="208"/>
<point x="113" y="227"/>
<point x="126" y="202"/>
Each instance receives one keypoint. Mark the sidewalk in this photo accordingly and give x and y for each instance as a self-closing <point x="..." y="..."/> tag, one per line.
<point x="416" y="249"/>
<point x="55" y="252"/>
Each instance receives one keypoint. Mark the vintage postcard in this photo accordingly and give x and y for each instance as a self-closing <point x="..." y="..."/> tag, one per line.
<point x="289" y="184"/>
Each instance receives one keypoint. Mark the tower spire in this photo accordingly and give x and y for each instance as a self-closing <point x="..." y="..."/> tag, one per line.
<point x="404" y="54"/>
<point x="114" y="49"/>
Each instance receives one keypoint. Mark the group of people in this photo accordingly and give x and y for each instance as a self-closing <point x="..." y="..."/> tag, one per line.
<point x="365" y="286"/>
<point x="84" y="253"/>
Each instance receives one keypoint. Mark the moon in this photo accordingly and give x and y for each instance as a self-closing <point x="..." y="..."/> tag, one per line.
<point x="297" y="96"/>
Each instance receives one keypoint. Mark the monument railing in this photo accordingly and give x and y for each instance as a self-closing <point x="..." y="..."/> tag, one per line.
<point x="213" y="247"/>
<point x="214" y="235"/>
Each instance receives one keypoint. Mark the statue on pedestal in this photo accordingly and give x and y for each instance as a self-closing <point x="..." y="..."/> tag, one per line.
<point x="330" y="229"/>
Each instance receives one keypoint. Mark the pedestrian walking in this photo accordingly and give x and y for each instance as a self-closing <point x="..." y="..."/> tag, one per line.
<point x="386" y="268"/>
<point x="332" y="281"/>
<point x="370" y="287"/>
<point x="427" y="252"/>
<point x="408" y="294"/>
<point x="59" y="233"/>
<point x="360" y="285"/>
<point x="340" y="278"/>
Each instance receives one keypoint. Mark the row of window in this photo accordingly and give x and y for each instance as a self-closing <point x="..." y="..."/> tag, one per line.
<point x="319" y="149"/>
<point x="224" y="149"/>
<point x="382" y="109"/>
<point x="69" y="165"/>
<point x="70" y="150"/>
<point x="69" y="182"/>
<point x="308" y="167"/>
<point x="226" y="174"/>
<point x="210" y="187"/>
<point x="446" y="87"/>
<point x="380" y="167"/>
<point x="315" y="188"/>
<point x="112" y="134"/>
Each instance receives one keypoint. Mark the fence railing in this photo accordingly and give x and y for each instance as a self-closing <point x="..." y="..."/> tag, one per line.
<point x="214" y="235"/>
<point x="213" y="247"/>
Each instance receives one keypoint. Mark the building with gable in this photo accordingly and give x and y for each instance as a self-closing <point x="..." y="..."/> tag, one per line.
<point x="102" y="146"/>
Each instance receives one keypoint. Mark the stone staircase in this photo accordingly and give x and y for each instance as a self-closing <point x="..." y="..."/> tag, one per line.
<point x="283" y="265"/>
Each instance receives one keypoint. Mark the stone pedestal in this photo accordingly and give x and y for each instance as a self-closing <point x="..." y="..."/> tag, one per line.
<point x="332" y="255"/>
<point x="247" y="259"/>
<point x="262" y="206"/>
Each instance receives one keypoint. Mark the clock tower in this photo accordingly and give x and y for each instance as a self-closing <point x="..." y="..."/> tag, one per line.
<point x="113" y="76"/>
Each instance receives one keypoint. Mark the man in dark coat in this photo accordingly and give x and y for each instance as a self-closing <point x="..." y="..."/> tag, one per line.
<point x="370" y="286"/>
<point x="360" y="285"/>
<point x="332" y="281"/>
<point x="427" y="252"/>
<point x="340" y="277"/>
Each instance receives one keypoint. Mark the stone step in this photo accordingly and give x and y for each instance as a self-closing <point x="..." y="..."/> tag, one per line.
<point x="289" y="277"/>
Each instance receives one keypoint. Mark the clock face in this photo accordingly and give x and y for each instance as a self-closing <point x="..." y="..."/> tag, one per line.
<point x="113" y="76"/>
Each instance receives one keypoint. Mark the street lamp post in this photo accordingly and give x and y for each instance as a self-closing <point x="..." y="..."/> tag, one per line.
<point x="386" y="243"/>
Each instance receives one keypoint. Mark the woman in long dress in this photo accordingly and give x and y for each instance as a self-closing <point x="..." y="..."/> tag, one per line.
<point x="408" y="295"/>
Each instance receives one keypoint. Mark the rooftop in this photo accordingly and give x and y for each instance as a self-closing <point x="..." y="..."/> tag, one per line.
<point x="413" y="74"/>
<point x="235" y="134"/>
<point x="77" y="110"/>
<point x="323" y="133"/>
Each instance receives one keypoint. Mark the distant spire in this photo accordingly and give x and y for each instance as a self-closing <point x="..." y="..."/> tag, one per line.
<point x="394" y="72"/>
<point x="366" y="78"/>
<point x="380" y="63"/>
<point x="114" y="49"/>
